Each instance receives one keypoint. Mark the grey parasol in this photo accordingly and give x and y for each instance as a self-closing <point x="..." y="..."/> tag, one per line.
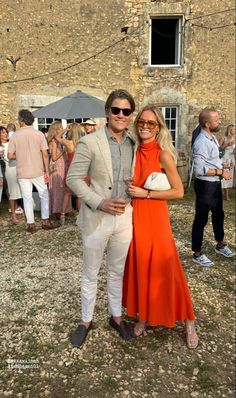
<point x="73" y="106"/>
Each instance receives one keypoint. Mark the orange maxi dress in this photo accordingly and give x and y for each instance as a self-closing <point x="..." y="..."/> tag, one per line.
<point x="155" y="288"/>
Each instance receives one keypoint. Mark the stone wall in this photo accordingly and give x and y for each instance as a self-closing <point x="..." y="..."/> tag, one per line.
<point x="50" y="36"/>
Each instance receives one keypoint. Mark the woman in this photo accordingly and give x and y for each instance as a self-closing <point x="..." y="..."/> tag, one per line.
<point x="227" y="143"/>
<point x="13" y="188"/>
<point x="1" y="183"/>
<point x="155" y="288"/>
<point x="57" y="178"/>
<point x="70" y="143"/>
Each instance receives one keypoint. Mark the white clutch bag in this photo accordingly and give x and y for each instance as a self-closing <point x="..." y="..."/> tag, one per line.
<point x="157" y="182"/>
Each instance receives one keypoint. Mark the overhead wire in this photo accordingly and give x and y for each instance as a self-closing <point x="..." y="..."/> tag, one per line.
<point x="63" y="69"/>
<point x="76" y="63"/>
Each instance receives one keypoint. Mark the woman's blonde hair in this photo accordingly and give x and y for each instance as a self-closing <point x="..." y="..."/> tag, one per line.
<point x="163" y="137"/>
<point x="52" y="132"/>
<point x="74" y="133"/>
<point x="229" y="128"/>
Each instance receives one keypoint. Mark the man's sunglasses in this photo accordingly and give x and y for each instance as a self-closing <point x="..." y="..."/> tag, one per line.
<point x="126" y="111"/>
<point x="151" y="125"/>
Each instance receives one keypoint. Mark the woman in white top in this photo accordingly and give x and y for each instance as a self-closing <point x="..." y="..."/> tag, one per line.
<point x="14" y="191"/>
<point x="227" y="143"/>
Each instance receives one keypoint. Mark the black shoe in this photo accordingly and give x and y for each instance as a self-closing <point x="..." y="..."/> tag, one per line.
<point x="79" y="335"/>
<point x="124" y="330"/>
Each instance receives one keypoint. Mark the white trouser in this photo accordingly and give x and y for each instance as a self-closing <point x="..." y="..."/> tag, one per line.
<point x="115" y="232"/>
<point x="26" y="186"/>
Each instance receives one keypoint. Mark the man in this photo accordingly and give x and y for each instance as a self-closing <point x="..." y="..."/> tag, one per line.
<point x="104" y="157"/>
<point x="89" y="126"/>
<point x="29" y="147"/>
<point x="208" y="174"/>
<point x="11" y="128"/>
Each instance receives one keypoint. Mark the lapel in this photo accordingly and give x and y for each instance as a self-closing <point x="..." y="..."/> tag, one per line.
<point x="105" y="151"/>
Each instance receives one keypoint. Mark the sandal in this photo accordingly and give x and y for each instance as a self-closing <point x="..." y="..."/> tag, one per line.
<point x="191" y="336"/>
<point x="139" y="328"/>
<point x="15" y="221"/>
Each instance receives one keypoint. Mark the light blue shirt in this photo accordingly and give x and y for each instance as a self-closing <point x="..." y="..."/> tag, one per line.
<point x="206" y="156"/>
<point x="122" y="158"/>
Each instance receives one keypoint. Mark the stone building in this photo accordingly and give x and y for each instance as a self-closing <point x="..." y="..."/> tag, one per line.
<point x="177" y="54"/>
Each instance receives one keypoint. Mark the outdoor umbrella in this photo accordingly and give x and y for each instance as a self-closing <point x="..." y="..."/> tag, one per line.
<point x="73" y="106"/>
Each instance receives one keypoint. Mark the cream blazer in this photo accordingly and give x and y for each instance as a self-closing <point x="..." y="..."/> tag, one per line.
<point x="92" y="159"/>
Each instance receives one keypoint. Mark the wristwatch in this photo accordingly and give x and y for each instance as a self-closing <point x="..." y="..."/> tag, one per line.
<point x="148" y="195"/>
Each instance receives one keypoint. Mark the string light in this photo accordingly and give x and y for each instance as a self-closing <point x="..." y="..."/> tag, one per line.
<point x="214" y="27"/>
<point x="76" y="63"/>
<point x="120" y="41"/>
<point x="209" y="15"/>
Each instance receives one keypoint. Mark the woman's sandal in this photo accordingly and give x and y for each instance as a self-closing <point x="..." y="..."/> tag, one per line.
<point x="15" y="222"/>
<point x="191" y="336"/>
<point x="139" y="328"/>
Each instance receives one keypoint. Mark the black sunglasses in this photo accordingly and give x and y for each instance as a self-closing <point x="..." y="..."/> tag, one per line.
<point x="126" y="111"/>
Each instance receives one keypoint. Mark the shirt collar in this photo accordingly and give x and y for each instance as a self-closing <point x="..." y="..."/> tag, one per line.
<point x="207" y="135"/>
<point x="125" y="136"/>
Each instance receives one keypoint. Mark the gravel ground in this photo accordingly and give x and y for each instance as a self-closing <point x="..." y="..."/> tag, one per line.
<point x="40" y="307"/>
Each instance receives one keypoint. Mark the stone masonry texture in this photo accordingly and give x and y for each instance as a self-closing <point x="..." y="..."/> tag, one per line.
<point x="51" y="35"/>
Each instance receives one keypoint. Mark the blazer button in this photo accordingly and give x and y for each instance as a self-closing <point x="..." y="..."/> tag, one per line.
<point x="109" y="187"/>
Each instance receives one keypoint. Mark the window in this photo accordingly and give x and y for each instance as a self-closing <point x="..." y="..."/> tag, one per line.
<point x="171" y="116"/>
<point x="166" y="36"/>
<point x="46" y="122"/>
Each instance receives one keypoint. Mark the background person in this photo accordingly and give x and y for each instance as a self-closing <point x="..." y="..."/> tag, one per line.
<point x="2" y="163"/>
<point x="102" y="157"/>
<point x="45" y="132"/>
<point x="57" y="178"/>
<point x="227" y="143"/>
<point x="70" y="144"/>
<point x="155" y="288"/>
<point x="1" y="182"/>
<point x="89" y="126"/>
<point x="13" y="187"/>
<point x="11" y="128"/>
<point x="208" y="172"/>
<point x="29" y="147"/>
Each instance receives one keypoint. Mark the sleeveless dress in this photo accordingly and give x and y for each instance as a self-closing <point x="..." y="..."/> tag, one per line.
<point x="13" y="186"/>
<point x="229" y="156"/>
<point x="57" y="185"/>
<point x="70" y="156"/>
<point x="155" y="287"/>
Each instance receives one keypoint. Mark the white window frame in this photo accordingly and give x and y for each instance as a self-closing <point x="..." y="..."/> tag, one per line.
<point x="168" y="121"/>
<point x="178" y="41"/>
<point x="47" y="125"/>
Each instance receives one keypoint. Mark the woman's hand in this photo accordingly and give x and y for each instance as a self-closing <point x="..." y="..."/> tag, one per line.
<point x="137" y="192"/>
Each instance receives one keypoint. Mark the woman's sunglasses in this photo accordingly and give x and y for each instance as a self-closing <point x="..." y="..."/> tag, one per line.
<point x="151" y="125"/>
<point x="126" y="111"/>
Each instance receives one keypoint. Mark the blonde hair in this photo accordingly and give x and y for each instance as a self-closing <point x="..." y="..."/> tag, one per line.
<point x="229" y="128"/>
<point x="53" y="130"/>
<point x="163" y="137"/>
<point x="74" y="133"/>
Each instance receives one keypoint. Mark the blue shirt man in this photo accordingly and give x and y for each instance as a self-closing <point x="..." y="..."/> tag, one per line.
<point x="208" y="173"/>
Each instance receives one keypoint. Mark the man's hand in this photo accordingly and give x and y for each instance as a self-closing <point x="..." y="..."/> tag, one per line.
<point x="1" y="181"/>
<point x="226" y="175"/>
<point x="113" y="206"/>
